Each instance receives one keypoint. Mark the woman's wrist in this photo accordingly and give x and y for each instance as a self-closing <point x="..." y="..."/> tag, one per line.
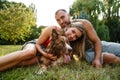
<point x="44" y="54"/>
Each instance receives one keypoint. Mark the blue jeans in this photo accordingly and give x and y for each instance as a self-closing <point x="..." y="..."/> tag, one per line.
<point x="110" y="47"/>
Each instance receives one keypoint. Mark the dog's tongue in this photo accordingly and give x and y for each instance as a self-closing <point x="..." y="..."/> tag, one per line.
<point x="67" y="58"/>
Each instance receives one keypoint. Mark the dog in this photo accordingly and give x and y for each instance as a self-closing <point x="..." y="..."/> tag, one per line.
<point x="59" y="47"/>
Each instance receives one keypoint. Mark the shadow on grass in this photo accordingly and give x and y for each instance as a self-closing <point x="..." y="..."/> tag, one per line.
<point x="1" y="76"/>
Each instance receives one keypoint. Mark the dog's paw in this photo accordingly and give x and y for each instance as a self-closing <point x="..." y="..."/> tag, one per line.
<point x="40" y="72"/>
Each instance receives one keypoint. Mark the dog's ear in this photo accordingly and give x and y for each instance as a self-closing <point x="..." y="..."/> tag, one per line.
<point x="54" y="34"/>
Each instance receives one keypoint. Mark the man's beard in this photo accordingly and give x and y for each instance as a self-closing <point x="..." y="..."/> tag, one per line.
<point x="68" y="23"/>
<point x="65" y="24"/>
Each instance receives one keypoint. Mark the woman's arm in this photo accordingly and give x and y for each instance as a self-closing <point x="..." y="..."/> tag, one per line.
<point x="42" y="38"/>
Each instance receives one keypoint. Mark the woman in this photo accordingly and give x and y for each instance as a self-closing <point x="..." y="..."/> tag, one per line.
<point x="27" y="56"/>
<point x="83" y="47"/>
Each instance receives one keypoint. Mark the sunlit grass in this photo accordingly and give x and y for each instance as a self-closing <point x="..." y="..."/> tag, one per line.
<point x="5" y="49"/>
<point x="72" y="71"/>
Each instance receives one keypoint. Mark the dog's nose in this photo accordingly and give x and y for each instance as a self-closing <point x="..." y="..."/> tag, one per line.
<point x="69" y="48"/>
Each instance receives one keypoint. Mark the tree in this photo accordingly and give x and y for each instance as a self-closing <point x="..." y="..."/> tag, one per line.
<point x="34" y="33"/>
<point x="90" y="10"/>
<point x="112" y="18"/>
<point x="16" y="21"/>
<point x="91" y="7"/>
<point x="3" y="2"/>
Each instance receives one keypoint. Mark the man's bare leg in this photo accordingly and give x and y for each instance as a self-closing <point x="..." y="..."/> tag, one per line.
<point x="110" y="58"/>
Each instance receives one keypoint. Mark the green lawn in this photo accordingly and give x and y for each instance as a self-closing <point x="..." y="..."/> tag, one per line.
<point x="72" y="71"/>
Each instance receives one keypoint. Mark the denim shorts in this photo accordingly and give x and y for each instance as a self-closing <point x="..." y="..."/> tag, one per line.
<point x="110" y="47"/>
<point x="33" y="42"/>
<point x="29" y="42"/>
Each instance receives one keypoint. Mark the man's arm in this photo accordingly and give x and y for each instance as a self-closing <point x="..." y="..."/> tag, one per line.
<point x="92" y="35"/>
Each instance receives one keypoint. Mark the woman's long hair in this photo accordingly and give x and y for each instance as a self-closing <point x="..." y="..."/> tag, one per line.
<point x="79" y="44"/>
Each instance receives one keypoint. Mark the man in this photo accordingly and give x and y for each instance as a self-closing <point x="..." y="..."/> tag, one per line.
<point x="63" y="19"/>
<point x="102" y="51"/>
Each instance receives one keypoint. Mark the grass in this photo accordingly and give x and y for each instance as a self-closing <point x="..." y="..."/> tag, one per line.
<point x="72" y="71"/>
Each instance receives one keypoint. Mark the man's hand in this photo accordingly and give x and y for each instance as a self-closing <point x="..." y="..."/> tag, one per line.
<point x="96" y="63"/>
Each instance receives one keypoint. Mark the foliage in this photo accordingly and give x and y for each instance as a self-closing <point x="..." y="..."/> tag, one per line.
<point x="16" y="21"/>
<point x="90" y="7"/>
<point x="103" y="32"/>
<point x="112" y="18"/>
<point x="34" y="33"/>
<point x="2" y="2"/>
<point x="93" y="10"/>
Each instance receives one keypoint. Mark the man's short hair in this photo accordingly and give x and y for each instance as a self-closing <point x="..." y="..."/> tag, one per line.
<point x="60" y="10"/>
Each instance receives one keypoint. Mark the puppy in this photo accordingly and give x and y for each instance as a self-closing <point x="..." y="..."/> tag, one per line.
<point x="59" y="47"/>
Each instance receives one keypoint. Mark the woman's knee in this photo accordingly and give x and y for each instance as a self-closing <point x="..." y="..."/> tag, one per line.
<point x="29" y="50"/>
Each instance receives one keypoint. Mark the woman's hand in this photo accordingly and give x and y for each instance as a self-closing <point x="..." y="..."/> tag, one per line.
<point x="50" y="56"/>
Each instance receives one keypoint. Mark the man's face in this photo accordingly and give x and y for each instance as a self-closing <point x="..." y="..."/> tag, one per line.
<point x="63" y="19"/>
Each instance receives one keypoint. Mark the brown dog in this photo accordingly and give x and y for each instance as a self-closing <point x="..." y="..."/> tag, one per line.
<point x="59" y="47"/>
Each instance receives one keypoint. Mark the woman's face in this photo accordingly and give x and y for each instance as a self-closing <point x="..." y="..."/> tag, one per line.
<point x="73" y="33"/>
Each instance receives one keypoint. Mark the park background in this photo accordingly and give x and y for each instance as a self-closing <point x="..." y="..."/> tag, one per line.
<point x="18" y="21"/>
<point x="18" y="25"/>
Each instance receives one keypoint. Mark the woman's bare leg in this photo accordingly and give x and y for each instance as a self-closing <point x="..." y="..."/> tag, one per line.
<point x="12" y="59"/>
<point x="110" y="58"/>
<point x="9" y="57"/>
<point x="16" y="64"/>
<point x="28" y="62"/>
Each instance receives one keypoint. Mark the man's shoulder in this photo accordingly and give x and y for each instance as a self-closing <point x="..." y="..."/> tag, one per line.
<point x="86" y="23"/>
<point x="79" y="20"/>
<point x="83" y="21"/>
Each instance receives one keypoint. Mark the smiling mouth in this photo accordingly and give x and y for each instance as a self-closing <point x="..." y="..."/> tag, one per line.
<point x="69" y="38"/>
<point x="63" y="24"/>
